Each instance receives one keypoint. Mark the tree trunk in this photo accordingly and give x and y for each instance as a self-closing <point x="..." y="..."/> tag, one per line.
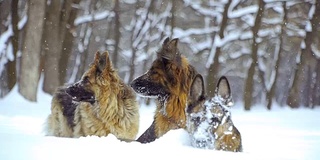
<point x="52" y="48"/>
<point x="309" y="88"/>
<point x="82" y="66"/>
<point x="313" y="94"/>
<point x="64" y="36"/>
<point x="214" y="66"/>
<point x="136" y="33"/>
<point x="248" y="90"/>
<point x="11" y="66"/>
<point x="294" y="98"/>
<point x="316" y="90"/>
<point x="316" y="93"/>
<point x="117" y="33"/>
<point x="271" y="92"/>
<point x="68" y="38"/>
<point x="85" y="36"/>
<point x="5" y="10"/>
<point x="30" y="60"/>
<point x="296" y="91"/>
<point x="173" y="19"/>
<point x="84" y="54"/>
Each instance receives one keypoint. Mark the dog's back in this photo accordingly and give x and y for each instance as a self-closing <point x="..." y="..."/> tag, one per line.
<point x="209" y="119"/>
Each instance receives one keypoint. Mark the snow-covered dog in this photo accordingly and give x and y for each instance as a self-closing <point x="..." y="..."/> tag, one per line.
<point x="209" y="119"/>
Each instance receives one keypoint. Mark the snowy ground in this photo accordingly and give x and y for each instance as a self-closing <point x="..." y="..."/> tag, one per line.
<point x="280" y="134"/>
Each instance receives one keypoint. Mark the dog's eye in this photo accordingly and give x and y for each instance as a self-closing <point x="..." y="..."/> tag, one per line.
<point x="153" y="72"/>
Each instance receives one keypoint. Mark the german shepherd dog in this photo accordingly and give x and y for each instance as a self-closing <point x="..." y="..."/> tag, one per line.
<point x="168" y="80"/>
<point x="99" y="104"/>
<point x="209" y="119"/>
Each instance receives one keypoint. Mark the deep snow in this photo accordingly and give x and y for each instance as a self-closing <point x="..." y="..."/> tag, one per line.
<point x="282" y="133"/>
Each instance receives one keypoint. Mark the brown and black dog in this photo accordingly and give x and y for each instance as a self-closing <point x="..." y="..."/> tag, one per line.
<point x="99" y="104"/>
<point x="209" y="119"/>
<point x="168" y="79"/>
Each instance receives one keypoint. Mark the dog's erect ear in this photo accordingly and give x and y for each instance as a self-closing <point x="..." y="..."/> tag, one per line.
<point x="173" y="44"/>
<point x="197" y="88"/>
<point x="170" y="50"/>
<point x="223" y="90"/>
<point x="197" y="92"/>
<point x="96" y="58"/>
<point x="104" y="62"/>
<point x="165" y="42"/>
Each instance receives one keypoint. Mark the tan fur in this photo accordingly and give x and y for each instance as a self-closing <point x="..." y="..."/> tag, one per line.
<point x="169" y="79"/>
<point x="173" y="117"/>
<point x="115" y="110"/>
<point x="56" y="122"/>
<point x="228" y="141"/>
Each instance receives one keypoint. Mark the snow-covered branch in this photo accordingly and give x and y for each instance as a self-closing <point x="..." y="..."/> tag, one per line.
<point x="93" y="17"/>
<point x="242" y="12"/>
<point x="4" y="38"/>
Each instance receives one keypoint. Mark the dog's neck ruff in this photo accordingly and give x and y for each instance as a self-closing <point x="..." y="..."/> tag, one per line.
<point x="163" y="103"/>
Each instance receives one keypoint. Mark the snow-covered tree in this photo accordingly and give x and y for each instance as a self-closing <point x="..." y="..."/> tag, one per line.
<point x="299" y="94"/>
<point x="30" y="60"/>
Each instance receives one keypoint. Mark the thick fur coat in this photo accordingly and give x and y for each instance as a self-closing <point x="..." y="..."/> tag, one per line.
<point x="168" y="80"/>
<point x="99" y="104"/>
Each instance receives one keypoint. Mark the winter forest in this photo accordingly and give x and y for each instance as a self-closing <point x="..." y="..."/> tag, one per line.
<point x="268" y="49"/>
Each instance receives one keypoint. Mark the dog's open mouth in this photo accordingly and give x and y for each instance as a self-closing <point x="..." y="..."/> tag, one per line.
<point x="84" y="99"/>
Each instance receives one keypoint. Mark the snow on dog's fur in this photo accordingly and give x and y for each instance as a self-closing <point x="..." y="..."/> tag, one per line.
<point x="209" y="119"/>
<point x="168" y="79"/>
<point x="99" y="104"/>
